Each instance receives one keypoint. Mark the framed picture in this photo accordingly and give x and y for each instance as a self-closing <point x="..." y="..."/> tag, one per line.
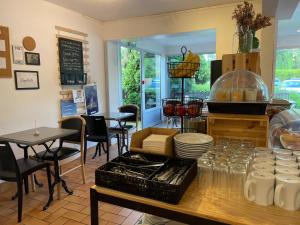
<point x="91" y="99"/>
<point x="26" y="80"/>
<point x="32" y="58"/>
<point x="18" y="54"/>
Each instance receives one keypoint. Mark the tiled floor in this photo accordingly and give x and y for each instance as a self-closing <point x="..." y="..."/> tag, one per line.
<point x="70" y="209"/>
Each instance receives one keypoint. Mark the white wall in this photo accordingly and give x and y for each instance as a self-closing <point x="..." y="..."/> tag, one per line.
<point x="38" y="18"/>
<point x="217" y="17"/>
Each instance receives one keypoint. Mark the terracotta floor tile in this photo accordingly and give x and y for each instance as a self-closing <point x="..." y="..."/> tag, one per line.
<point x="6" y="211"/>
<point x="53" y="216"/>
<point x="70" y="222"/>
<point x="74" y="207"/>
<point x="74" y="215"/>
<point x="125" y="212"/>
<point x="132" y="218"/>
<point x="60" y="221"/>
<point x="39" y="214"/>
<point x="33" y="221"/>
<point x="113" y="218"/>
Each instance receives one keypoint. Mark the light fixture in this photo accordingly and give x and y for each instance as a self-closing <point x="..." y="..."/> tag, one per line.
<point x="298" y="31"/>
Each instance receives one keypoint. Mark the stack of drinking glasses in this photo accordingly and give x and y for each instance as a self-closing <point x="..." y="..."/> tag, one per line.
<point x="224" y="167"/>
<point x="274" y="178"/>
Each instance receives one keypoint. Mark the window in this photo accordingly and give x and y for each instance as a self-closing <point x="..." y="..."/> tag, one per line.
<point x="198" y="87"/>
<point x="287" y="75"/>
<point x="151" y="63"/>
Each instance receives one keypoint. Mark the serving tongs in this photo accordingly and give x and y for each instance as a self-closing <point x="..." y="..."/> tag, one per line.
<point x="124" y="171"/>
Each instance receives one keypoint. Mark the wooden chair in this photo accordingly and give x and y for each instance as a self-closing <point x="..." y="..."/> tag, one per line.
<point x="13" y="170"/>
<point x="62" y="154"/>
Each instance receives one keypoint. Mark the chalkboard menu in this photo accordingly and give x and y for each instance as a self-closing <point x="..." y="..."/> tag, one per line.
<point x="71" y="62"/>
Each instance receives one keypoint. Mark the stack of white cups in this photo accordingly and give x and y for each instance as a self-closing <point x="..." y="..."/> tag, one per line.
<point x="274" y="178"/>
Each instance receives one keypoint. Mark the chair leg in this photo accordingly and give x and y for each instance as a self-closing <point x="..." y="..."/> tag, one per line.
<point x="96" y="151"/>
<point x="107" y="151"/>
<point x="118" y="141"/>
<point x="20" y="199"/>
<point x="82" y="172"/>
<point x="32" y="182"/>
<point x="127" y="146"/>
<point x="84" y="150"/>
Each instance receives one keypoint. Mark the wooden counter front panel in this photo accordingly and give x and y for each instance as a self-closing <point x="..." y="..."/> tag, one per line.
<point x="244" y="127"/>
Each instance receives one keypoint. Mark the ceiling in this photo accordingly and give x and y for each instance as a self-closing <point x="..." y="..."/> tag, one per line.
<point x="106" y="10"/>
<point x="189" y="38"/>
<point x="289" y="31"/>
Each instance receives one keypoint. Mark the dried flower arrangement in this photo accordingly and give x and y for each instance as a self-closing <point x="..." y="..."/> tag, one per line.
<point x="247" y="21"/>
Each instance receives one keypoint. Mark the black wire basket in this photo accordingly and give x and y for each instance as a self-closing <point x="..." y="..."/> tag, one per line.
<point x="182" y="69"/>
<point x="190" y="107"/>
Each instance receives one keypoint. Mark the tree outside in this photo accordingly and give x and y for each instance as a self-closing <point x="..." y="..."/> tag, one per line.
<point x="131" y="76"/>
<point x="287" y="75"/>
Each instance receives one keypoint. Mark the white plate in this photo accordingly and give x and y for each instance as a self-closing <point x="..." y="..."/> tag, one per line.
<point x="193" y="138"/>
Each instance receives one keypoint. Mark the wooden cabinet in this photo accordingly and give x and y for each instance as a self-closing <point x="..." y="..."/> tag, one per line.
<point x="236" y="126"/>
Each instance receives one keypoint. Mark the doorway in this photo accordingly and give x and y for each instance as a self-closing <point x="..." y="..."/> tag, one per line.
<point x="140" y="83"/>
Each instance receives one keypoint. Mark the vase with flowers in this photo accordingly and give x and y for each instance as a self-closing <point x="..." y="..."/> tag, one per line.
<point x="247" y="24"/>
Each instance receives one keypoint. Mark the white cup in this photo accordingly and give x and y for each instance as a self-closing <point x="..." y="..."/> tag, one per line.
<point x="250" y="94"/>
<point x="263" y="149"/>
<point x="260" y="188"/>
<point x="263" y="160"/>
<point x="263" y="166"/>
<point x="289" y="164"/>
<point x="287" y="192"/>
<point x="296" y="153"/>
<point x="281" y="151"/>
<point x="286" y="158"/>
<point x="286" y="170"/>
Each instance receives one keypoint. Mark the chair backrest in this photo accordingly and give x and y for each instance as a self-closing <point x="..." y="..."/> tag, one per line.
<point x="74" y="123"/>
<point x="95" y="126"/>
<point x="8" y="162"/>
<point x="130" y="109"/>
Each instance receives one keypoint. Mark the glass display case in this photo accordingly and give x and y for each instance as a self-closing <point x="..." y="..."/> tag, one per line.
<point x="239" y="92"/>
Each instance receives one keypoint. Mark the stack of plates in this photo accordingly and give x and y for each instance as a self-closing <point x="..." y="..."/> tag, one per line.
<point x="192" y="145"/>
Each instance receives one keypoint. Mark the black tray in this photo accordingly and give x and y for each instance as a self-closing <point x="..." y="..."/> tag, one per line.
<point x="252" y="108"/>
<point x="147" y="187"/>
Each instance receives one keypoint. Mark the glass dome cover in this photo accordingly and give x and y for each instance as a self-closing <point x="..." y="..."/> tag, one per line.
<point x="239" y="86"/>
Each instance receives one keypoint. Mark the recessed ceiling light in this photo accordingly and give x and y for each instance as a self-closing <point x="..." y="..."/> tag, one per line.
<point x="298" y="31"/>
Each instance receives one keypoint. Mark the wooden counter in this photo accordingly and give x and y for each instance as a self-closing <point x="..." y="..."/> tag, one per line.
<point x="199" y="205"/>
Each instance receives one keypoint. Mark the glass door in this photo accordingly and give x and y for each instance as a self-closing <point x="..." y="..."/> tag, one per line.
<point x="130" y="62"/>
<point x="151" y="96"/>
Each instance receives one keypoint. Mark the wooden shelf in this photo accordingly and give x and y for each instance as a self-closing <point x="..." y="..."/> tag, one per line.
<point x="237" y="126"/>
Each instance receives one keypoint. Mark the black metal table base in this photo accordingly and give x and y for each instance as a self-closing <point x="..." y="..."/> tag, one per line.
<point x="138" y="206"/>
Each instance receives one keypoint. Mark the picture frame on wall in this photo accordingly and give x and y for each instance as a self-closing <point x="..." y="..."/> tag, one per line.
<point x="32" y="58"/>
<point x="18" y="54"/>
<point x="26" y="80"/>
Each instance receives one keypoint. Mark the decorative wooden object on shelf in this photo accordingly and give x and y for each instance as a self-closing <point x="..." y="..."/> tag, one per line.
<point x="29" y="43"/>
<point x="5" y="58"/>
<point x="236" y="126"/>
<point x="248" y="61"/>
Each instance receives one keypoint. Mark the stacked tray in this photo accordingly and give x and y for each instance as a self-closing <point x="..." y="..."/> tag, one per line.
<point x="192" y="145"/>
<point x="137" y="175"/>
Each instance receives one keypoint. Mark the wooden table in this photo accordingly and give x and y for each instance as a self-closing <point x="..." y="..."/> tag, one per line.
<point x="199" y="205"/>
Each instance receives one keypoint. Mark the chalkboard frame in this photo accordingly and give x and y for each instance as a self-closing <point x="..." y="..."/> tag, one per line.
<point x="69" y="76"/>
